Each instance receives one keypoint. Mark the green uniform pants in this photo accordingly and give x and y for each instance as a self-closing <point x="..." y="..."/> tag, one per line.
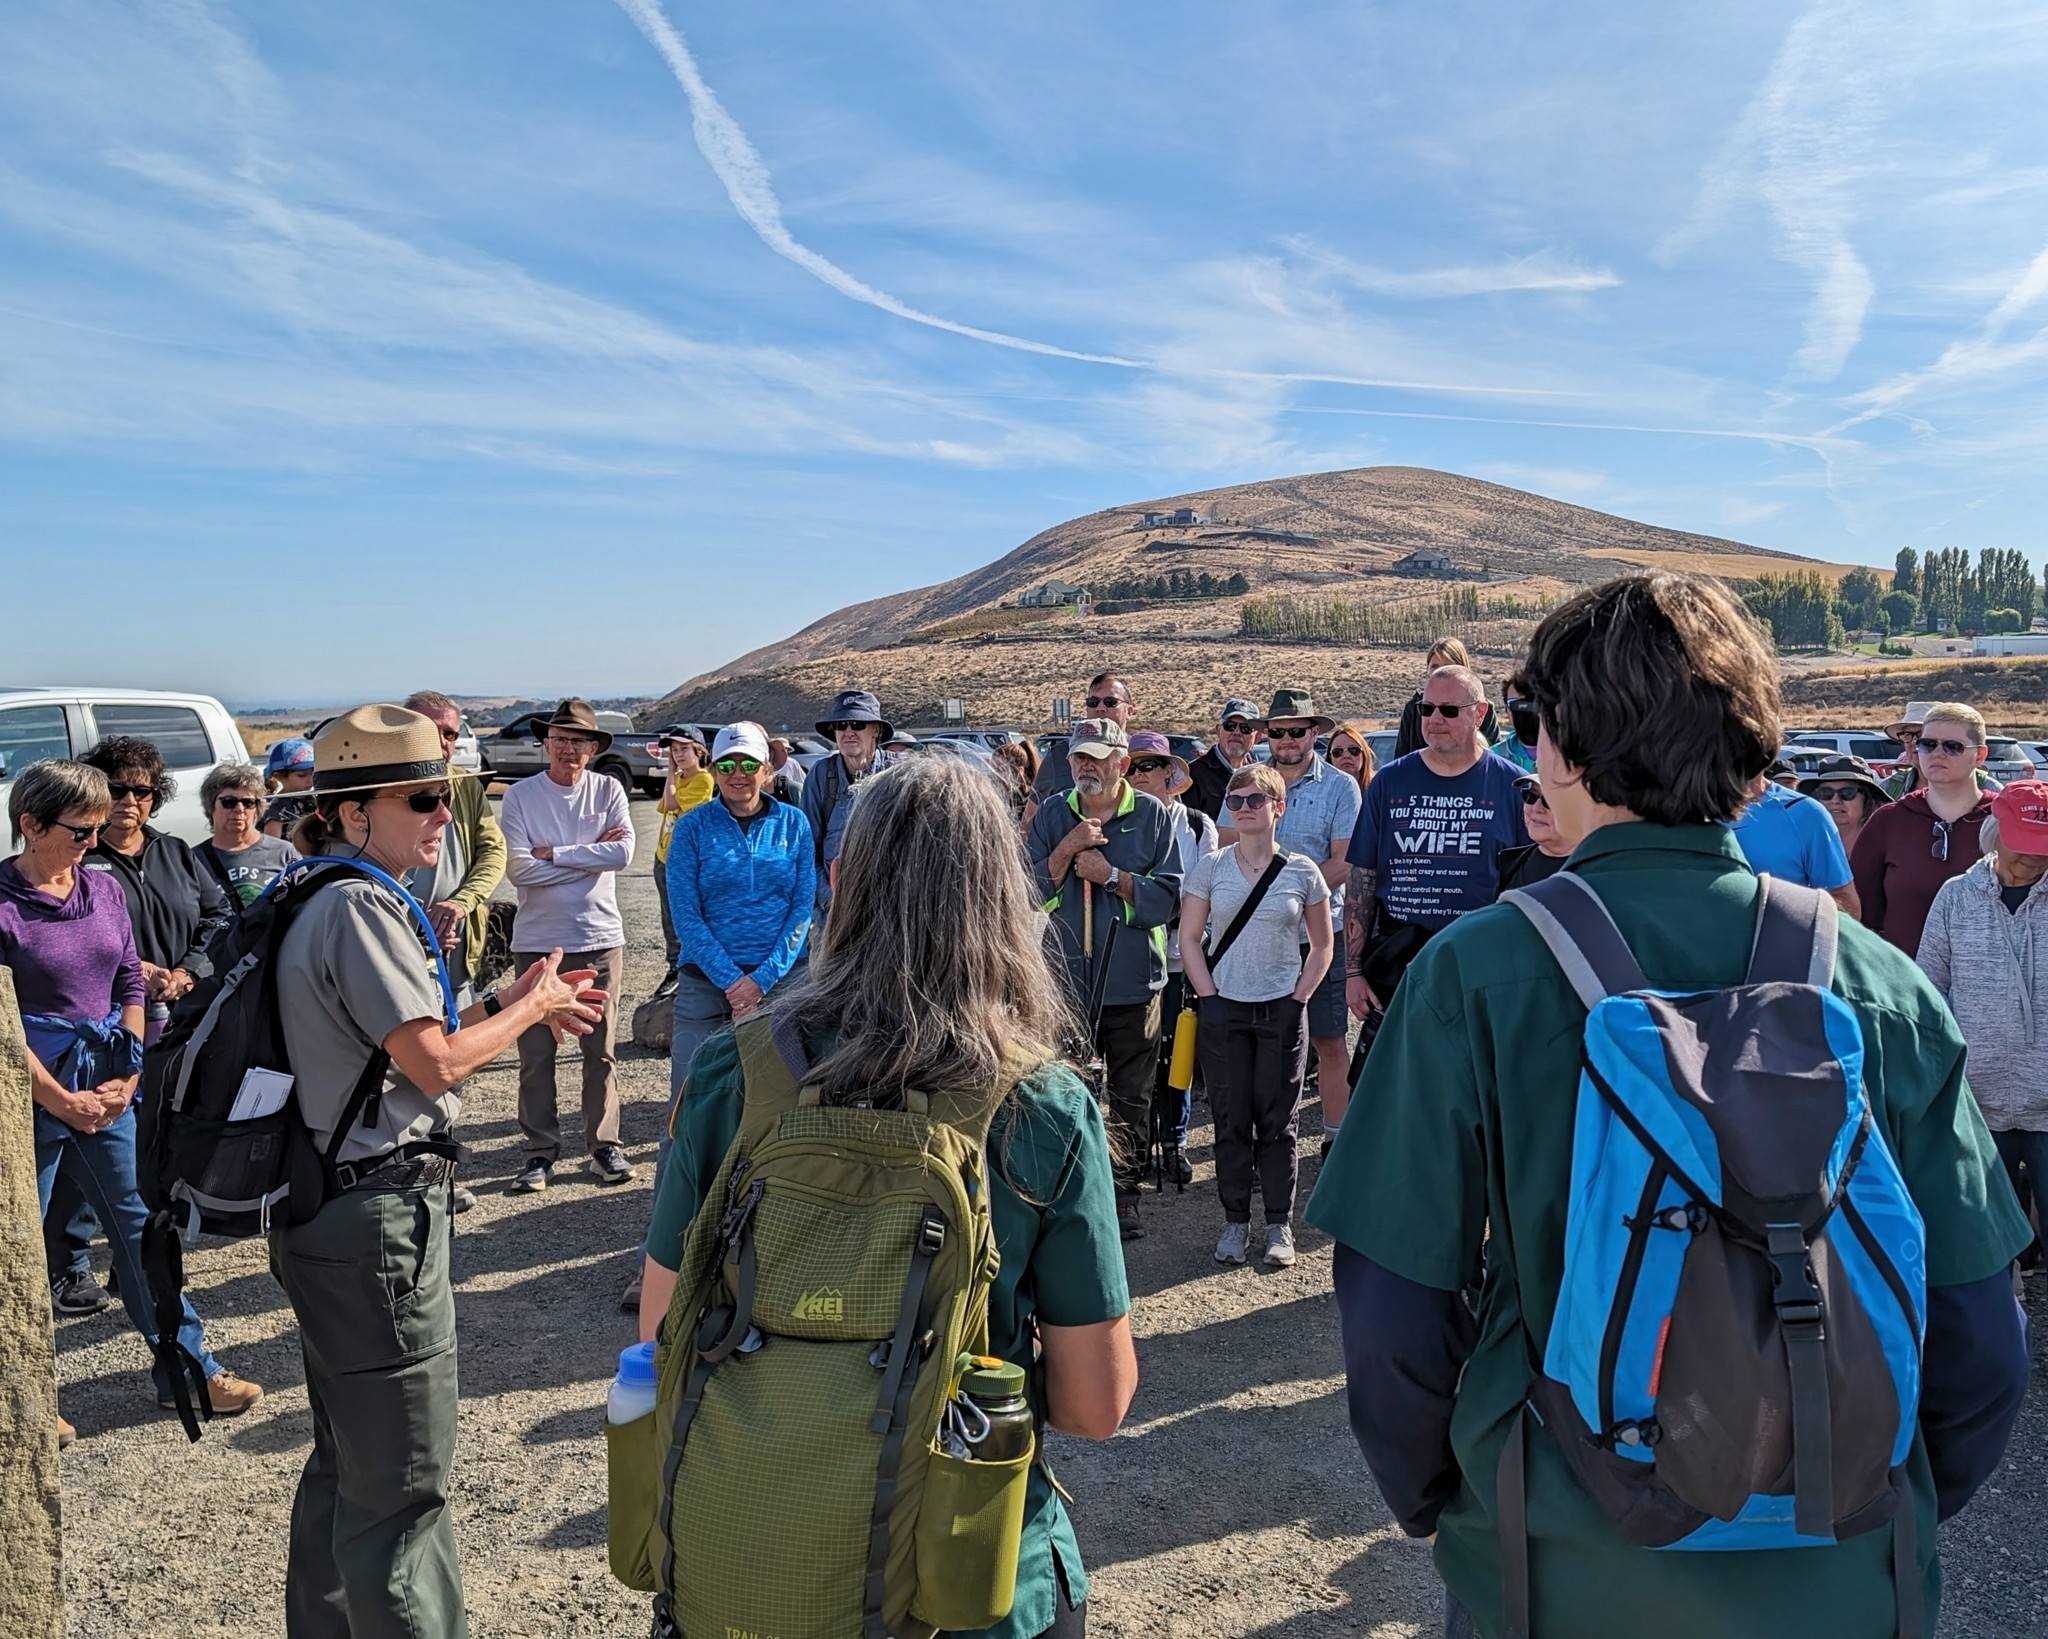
<point x="372" y="1545"/>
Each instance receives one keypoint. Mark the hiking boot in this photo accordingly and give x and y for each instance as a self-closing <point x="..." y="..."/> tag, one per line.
<point x="463" y="1199"/>
<point x="629" y="1300"/>
<point x="1128" y="1225"/>
<point x="1279" y="1246"/>
<point x="609" y="1162"/>
<point x="1182" y="1168"/>
<point x="1233" y="1243"/>
<point x="65" y="1432"/>
<point x="228" y="1394"/>
<point x="532" y="1179"/>
<point x="78" y="1294"/>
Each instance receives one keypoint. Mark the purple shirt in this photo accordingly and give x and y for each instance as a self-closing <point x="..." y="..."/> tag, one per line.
<point x="74" y="958"/>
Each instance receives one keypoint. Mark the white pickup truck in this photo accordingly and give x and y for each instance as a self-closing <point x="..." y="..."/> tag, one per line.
<point x="192" y="731"/>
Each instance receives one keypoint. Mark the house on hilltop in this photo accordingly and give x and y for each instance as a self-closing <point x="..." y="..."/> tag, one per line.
<point x="1052" y="595"/>
<point x="1426" y="563"/>
<point x="1180" y="518"/>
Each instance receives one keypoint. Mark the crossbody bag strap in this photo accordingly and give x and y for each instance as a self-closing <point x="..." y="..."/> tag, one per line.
<point x="1242" y="919"/>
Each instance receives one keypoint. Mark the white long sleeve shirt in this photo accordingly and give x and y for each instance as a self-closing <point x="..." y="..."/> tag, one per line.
<point x="573" y="899"/>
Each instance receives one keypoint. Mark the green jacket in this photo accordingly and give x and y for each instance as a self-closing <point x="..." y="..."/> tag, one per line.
<point x="483" y="846"/>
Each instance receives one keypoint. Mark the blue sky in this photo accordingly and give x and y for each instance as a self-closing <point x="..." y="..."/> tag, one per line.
<point x="535" y="345"/>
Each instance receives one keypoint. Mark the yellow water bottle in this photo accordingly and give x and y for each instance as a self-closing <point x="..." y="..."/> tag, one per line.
<point x="1180" y="1073"/>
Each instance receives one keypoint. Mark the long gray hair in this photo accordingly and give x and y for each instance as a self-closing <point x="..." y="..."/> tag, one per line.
<point x="933" y="960"/>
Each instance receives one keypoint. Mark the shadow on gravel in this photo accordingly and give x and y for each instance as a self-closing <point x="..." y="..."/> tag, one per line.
<point x="584" y="1530"/>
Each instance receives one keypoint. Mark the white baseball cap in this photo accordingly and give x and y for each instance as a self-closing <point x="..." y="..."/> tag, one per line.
<point x="741" y="740"/>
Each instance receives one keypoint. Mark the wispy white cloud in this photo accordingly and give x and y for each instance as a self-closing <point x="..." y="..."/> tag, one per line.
<point x="1540" y="271"/>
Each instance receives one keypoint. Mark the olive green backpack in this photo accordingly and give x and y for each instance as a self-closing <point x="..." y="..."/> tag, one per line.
<point x="833" y="1286"/>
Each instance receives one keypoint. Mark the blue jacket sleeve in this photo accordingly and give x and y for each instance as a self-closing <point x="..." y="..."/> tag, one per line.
<point x="700" y="947"/>
<point x="796" y="925"/>
<point x="1404" y="1347"/>
<point x="1973" y="1378"/>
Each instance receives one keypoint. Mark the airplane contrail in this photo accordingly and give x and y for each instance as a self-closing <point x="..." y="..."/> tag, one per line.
<point x="737" y="164"/>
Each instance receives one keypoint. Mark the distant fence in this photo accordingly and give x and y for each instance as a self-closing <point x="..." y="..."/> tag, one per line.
<point x="1338" y="619"/>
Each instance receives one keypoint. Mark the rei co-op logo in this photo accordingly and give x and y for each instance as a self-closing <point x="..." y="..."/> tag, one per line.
<point x="820" y="1305"/>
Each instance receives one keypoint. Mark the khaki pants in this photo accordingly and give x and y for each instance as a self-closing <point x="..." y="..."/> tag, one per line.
<point x="538" y="1118"/>
<point x="372" y="1552"/>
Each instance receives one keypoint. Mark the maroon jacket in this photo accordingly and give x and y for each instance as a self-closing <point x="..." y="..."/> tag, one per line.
<point x="1899" y="865"/>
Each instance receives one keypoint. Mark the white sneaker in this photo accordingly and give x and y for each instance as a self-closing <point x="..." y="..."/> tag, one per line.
<point x="1279" y="1245"/>
<point x="1232" y="1244"/>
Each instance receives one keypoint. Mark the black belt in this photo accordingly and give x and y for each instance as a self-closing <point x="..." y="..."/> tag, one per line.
<point x="415" y="1166"/>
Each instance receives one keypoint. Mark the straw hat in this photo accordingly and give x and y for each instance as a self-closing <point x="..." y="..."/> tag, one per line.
<point x="375" y="746"/>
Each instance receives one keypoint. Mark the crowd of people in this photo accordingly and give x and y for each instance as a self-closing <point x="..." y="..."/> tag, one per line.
<point x="923" y="918"/>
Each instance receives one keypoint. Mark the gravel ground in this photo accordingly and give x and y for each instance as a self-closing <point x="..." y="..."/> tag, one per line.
<point x="1232" y="1503"/>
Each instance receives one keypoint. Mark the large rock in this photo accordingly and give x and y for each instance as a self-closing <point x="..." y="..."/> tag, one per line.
<point x="31" y="1568"/>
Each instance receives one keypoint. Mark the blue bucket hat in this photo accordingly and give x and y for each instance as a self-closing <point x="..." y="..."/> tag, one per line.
<point x="294" y="756"/>
<point x="856" y="706"/>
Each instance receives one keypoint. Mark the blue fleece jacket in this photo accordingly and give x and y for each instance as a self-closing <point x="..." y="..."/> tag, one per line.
<point x="741" y="897"/>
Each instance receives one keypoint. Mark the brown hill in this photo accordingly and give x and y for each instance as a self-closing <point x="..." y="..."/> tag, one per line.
<point x="1307" y="537"/>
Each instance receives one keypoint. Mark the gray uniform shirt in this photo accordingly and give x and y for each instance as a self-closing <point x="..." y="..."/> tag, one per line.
<point x="1264" y="962"/>
<point x="351" y="970"/>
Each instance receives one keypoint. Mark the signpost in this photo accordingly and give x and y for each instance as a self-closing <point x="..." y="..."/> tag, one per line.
<point x="1062" y="709"/>
<point x="954" y="711"/>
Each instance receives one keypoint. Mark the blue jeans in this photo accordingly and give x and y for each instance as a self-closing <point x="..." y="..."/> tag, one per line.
<point x="104" y="1166"/>
<point x="2018" y="1148"/>
<point x="701" y="1012"/>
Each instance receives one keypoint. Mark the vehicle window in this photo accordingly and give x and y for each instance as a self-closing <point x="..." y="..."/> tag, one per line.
<point x="30" y="733"/>
<point x="1877" y="750"/>
<point x="2002" y="751"/>
<point x="175" y="731"/>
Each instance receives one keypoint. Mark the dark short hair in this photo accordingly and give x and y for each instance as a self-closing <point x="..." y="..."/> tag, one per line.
<point x="1660" y="688"/>
<point x="120" y="754"/>
<point x="1118" y="679"/>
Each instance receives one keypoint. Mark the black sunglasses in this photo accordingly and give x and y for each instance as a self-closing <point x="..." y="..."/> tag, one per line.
<point x="425" y="802"/>
<point x="1238" y="801"/>
<point x="1429" y="708"/>
<point x="1523" y="714"/>
<point x="1102" y="702"/>
<point x="1237" y="725"/>
<point x="1298" y="732"/>
<point x="238" y="802"/>
<point x="847" y="728"/>
<point x="1837" y="793"/>
<point x="1954" y="748"/>
<point x="1347" y="751"/>
<point x="79" y="833"/>
<point x="1531" y="797"/>
<point x="1149" y="765"/>
<point x="145" y="793"/>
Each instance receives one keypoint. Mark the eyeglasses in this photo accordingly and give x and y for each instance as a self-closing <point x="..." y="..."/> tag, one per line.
<point x="238" y="802"/>
<point x="1429" y="708"/>
<point x="1298" y="732"/>
<point x="1532" y="798"/>
<point x="848" y="728"/>
<point x="574" y="742"/>
<point x="1149" y="765"/>
<point x="425" y="802"/>
<point x="1102" y="702"/>
<point x="738" y="765"/>
<point x="141" y="793"/>
<point x="1238" y="801"/>
<point x="79" y="833"/>
<point x="1236" y="725"/>
<point x="1948" y="748"/>
<point x="1347" y="752"/>
<point x="1837" y="793"/>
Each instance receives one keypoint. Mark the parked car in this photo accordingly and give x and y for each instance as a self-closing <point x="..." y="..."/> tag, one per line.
<point x="1881" y="751"/>
<point x="987" y="738"/>
<point x="2036" y="752"/>
<point x="1381" y="742"/>
<point x="516" y="751"/>
<point x="466" y="756"/>
<point x="2005" y="761"/>
<point x="193" y="732"/>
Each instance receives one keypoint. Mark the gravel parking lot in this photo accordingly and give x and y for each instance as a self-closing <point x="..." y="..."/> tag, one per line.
<point x="1233" y="1502"/>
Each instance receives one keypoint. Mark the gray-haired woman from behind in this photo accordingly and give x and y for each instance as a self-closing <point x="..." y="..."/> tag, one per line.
<point x="242" y="859"/>
<point x="930" y="973"/>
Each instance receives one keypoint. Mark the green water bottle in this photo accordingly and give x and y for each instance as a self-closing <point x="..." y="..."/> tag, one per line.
<point x="997" y="1389"/>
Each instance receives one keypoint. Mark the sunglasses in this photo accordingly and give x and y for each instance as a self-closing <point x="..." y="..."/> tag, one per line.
<point x="738" y="765"/>
<point x="1837" y="793"/>
<point x="1522" y="713"/>
<point x="1951" y="748"/>
<point x="1149" y="765"/>
<point x="141" y="793"/>
<point x="1238" y="801"/>
<point x="79" y="833"/>
<point x="1939" y="847"/>
<point x="1237" y="725"/>
<point x="1347" y="752"/>
<point x="1300" y="731"/>
<point x="238" y="802"/>
<point x="425" y="802"/>
<point x="1532" y="798"/>
<point x="1102" y="702"/>
<point x="1429" y="708"/>
<point x="848" y="728"/>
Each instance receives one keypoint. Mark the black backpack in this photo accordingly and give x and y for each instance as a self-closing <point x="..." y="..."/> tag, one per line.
<point x="202" y="1167"/>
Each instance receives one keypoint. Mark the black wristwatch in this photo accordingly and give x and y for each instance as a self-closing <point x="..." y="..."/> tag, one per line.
<point x="493" y="1005"/>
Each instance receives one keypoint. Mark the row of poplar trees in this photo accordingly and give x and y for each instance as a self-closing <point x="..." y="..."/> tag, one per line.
<point x="1999" y="593"/>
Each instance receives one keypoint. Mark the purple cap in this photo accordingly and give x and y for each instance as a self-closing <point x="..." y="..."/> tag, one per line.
<point x="1149" y="742"/>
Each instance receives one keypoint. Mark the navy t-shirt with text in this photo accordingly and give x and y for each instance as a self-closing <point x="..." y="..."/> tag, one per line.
<point x="1432" y="839"/>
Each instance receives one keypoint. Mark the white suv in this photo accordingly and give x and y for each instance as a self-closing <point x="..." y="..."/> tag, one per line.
<point x="193" y="732"/>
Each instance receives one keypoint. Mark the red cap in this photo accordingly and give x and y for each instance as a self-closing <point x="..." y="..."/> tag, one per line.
<point x="2021" y="810"/>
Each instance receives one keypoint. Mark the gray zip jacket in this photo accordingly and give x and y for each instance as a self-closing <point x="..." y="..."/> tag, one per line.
<point x="1988" y="963"/>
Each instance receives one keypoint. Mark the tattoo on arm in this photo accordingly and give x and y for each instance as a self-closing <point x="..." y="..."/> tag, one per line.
<point x="1363" y="882"/>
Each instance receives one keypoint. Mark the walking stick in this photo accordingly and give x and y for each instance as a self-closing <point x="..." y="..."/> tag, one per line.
<point x="1087" y="920"/>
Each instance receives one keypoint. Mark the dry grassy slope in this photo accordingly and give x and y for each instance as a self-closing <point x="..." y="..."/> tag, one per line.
<point x="2012" y="694"/>
<point x="1363" y="521"/>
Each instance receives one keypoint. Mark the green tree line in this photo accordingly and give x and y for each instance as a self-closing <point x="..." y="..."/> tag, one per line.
<point x="1944" y="591"/>
<point x="1181" y="583"/>
<point x="1338" y="619"/>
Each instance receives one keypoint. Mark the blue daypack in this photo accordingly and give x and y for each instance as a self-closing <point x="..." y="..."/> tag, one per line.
<point x="1734" y="1360"/>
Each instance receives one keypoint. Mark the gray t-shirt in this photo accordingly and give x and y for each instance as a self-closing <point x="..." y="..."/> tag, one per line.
<point x="246" y="872"/>
<point x="351" y="970"/>
<point x="1265" y="961"/>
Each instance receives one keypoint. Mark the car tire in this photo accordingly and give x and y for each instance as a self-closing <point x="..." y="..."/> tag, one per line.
<point x="620" y="772"/>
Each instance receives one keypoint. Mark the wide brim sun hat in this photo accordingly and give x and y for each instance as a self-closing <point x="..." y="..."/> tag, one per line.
<point x="370" y="747"/>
